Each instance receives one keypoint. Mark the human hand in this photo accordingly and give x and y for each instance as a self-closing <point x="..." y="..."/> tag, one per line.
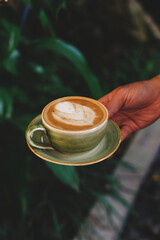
<point x="134" y="106"/>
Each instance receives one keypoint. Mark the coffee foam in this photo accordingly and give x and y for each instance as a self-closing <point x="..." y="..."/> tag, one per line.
<point x="74" y="113"/>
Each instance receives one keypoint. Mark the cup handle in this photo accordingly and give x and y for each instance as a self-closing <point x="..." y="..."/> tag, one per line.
<point x="37" y="137"/>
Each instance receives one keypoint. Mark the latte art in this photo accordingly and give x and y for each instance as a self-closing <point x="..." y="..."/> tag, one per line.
<point x="74" y="114"/>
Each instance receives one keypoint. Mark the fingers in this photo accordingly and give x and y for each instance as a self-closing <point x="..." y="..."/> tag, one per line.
<point x="120" y="118"/>
<point x="113" y="102"/>
<point x="125" y="127"/>
<point x="125" y="132"/>
<point x="105" y="99"/>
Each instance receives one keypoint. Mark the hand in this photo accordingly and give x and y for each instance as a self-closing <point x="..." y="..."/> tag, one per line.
<point x="134" y="106"/>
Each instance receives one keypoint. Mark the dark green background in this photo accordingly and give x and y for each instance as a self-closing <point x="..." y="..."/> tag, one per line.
<point x="50" y="49"/>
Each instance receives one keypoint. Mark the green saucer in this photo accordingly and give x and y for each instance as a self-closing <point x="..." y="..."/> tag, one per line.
<point x="105" y="149"/>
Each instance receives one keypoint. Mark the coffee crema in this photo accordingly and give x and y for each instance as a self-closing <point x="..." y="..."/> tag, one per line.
<point x="74" y="113"/>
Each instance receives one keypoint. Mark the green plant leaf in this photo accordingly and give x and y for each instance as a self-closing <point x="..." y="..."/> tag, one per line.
<point x="1" y="107"/>
<point x="28" y="3"/>
<point x="37" y="68"/>
<point x="60" y="6"/>
<point x="5" y="24"/>
<point x="21" y="122"/>
<point x="13" y="32"/>
<point x="13" y="38"/>
<point x="76" y="57"/>
<point x="6" y="103"/>
<point x="58" y="226"/>
<point x="10" y="63"/>
<point x="19" y="94"/>
<point x="67" y="174"/>
<point x="56" y="6"/>
<point x="118" y="196"/>
<point x="46" y="22"/>
<point x="128" y="166"/>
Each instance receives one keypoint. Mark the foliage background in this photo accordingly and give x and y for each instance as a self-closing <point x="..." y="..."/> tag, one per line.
<point x="50" y="49"/>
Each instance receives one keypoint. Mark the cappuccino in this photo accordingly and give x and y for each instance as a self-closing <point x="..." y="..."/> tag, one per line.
<point x="70" y="125"/>
<point x="74" y="113"/>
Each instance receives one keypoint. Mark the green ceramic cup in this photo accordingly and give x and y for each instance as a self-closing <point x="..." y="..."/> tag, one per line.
<point x="68" y="141"/>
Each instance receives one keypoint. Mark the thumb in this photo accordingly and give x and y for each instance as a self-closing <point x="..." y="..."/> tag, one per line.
<point x="125" y="131"/>
<point x="113" y="102"/>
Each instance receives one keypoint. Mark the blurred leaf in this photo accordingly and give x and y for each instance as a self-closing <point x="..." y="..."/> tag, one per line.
<point x="13" y="35"/>
<point x="109" y="208"/>
<point x="149" y="65"/>
<point x="14" y="38"/>
<point x="24" y="201"/>
<point x="75" y="56"/>
<point x="22" y="121"/>
<point x="24" y="17"/>
<point x="46" y="22"/>
<point x="61" y="5"/>
<point x="28" y="3"/>
<point x="55" y="86"/>
<point x="58" y="226"/>
<point x="67" y="174"/>
<point x="56" y="6"/>
<point x="129" y="166"/>
<point x="6" y="103"/>
<point x="19" y="94"/>
<point x="5" y="24"/>
<point x="10" y="63"/>
<point x="39" y="69"/>
<point x="1" y="107"/>
<point x="120" y="198"/>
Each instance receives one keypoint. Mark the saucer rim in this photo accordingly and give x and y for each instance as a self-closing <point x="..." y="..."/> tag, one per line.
<point x="73" y="164"/>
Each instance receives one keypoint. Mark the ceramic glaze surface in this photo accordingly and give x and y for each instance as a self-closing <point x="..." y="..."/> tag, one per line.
<point x="105" y="149"/>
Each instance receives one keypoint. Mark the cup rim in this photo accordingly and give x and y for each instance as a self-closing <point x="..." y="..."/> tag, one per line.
<point x="75" y="131"/>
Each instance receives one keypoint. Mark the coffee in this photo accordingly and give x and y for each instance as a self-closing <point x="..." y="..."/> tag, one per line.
<point x="70" y="125"/>
<point x="74" y="113"/>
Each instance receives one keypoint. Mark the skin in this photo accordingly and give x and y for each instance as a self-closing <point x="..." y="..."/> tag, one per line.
<point x="134" y="106"/>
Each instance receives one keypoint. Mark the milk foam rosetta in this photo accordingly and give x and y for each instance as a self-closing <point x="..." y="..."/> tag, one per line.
<point x="74" y="113"/>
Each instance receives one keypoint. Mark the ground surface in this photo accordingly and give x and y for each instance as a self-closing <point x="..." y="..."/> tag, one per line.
<point x="145" y="223"/>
